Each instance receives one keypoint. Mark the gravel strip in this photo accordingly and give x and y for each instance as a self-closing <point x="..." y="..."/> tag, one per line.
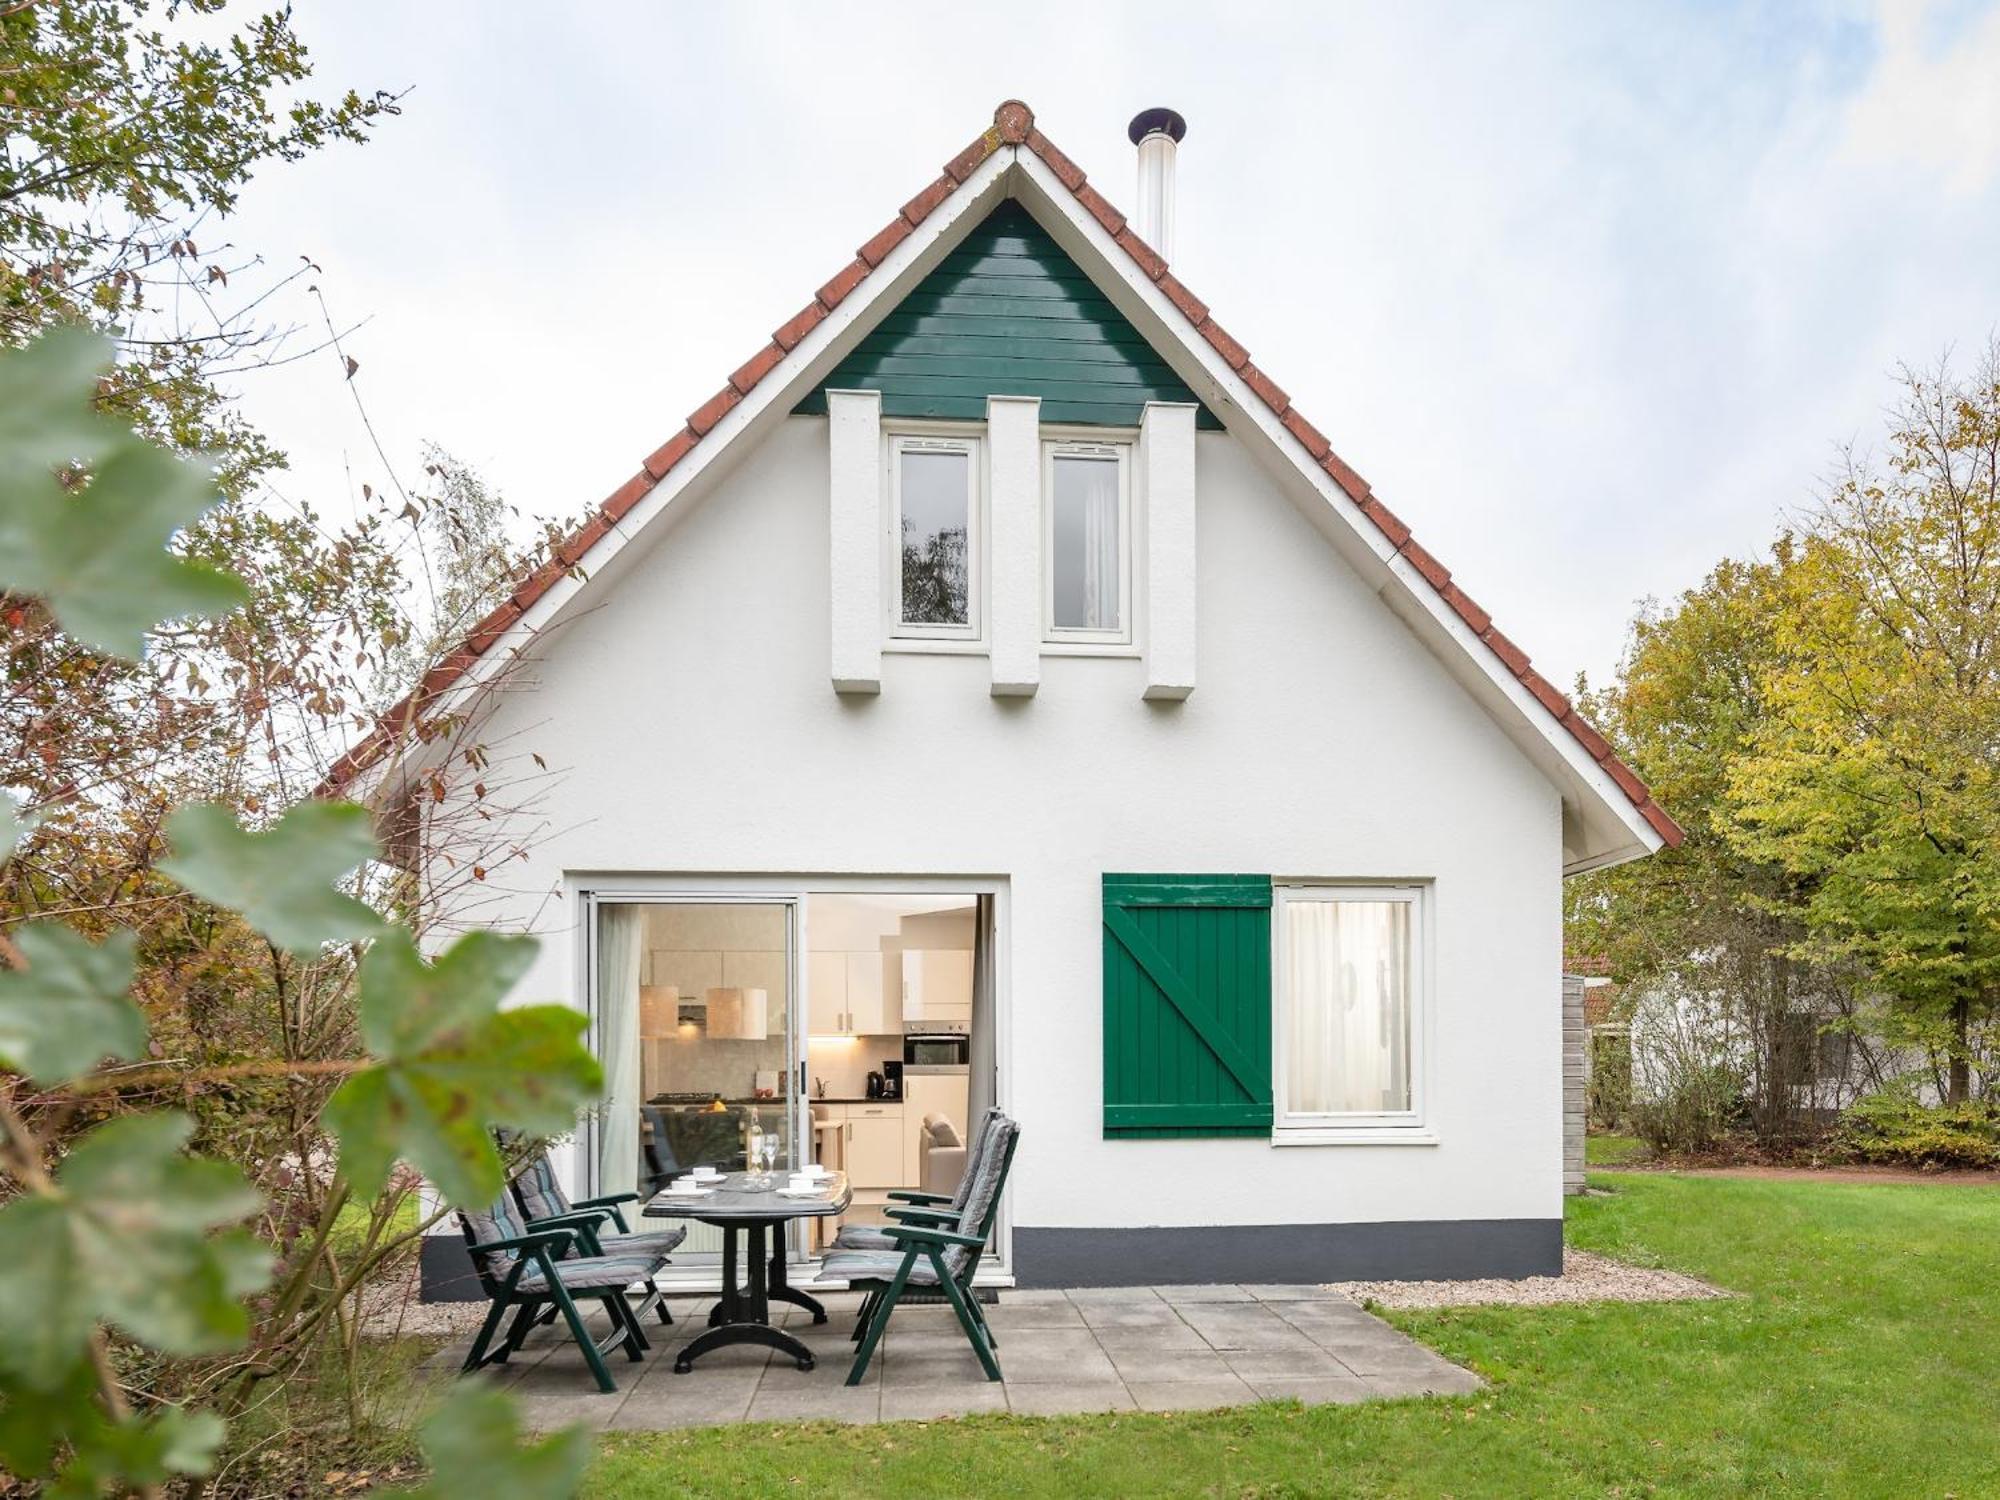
<point x="1585" y="1278"/>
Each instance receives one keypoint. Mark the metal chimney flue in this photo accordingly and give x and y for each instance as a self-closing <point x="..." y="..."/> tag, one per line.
<point x="1157" y="133"/>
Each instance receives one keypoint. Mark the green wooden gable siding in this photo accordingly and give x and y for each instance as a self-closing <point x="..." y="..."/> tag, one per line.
<point x="1187" y="1005"/>
<point x="1007" y="313"/>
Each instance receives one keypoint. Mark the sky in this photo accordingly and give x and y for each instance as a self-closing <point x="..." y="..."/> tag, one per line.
<point x="1592" y="294"/>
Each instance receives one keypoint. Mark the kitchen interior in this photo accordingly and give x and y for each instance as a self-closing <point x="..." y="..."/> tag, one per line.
<point x="894" y="997"/>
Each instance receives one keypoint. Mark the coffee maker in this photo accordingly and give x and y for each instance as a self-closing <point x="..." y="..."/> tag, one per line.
<point x="887" y="1084"/>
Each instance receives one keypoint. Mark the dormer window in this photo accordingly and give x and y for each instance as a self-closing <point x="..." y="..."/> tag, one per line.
<point x="937" y="551"/>
<point x="1087" y="544"/>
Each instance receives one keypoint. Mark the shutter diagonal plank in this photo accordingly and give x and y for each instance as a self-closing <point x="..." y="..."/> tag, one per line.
<point x="1187" y="1005"/>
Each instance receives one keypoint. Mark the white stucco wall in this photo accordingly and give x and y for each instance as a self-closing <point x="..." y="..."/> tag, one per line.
<point x="690" y="721"/>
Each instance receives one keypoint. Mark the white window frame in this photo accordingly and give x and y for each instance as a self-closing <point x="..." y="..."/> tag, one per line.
<point x="935" y="438"/>
<point x="1121" y="641"/>
<point x="1356" y="1127"/>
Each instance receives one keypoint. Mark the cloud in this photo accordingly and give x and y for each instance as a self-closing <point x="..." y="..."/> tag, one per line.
<point x="1933" y="99"/>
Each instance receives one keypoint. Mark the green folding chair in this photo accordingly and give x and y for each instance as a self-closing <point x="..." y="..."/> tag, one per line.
<point x="937" y="1250"/>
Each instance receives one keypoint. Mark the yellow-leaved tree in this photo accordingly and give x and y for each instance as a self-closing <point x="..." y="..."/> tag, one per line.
<point x="1874" y="772"/>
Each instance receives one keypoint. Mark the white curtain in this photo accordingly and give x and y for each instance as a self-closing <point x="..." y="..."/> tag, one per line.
<point x="1347" y="997"/>
<point x="1100" y="543"/>
<point x="621" y="932"/>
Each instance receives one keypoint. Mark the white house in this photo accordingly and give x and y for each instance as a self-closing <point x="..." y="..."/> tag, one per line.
<point x="1000" y="658"/>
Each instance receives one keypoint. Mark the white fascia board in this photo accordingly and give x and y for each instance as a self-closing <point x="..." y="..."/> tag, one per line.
<point x="1249" y="420"/>
<point x="1014" y="543"/>
<point x="768" y="404"/>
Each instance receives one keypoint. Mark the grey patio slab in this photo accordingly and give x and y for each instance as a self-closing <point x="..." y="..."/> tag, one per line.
<point x="1062" y="1356"/>
<point x="900" y="1404"/>
<point x="1055" y="1400"/>
<point x="1230" y="1325"/>
<point x="1305" y="1360"/>
<point x="1313" y="1391"/>
<point x="1190" y="1395"/>
<point x="664" y="1399"/>
<point x="1058" y="1314"/>
<point x="1099" y="1349"/>
<point x="936" y="1368"/>
<point x="1296" y="1293"/>
<point x="1159" y="1364"/>
<point x="817" y="1403"/>
<point x="1154" y="1336"/>
<point x="1220" y="1292"/>
<point x="1102" y="1316"/>
<point x="1031" y="1296"/>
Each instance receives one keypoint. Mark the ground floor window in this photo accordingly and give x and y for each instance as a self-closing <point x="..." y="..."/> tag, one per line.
<point x="1350" y="992"/>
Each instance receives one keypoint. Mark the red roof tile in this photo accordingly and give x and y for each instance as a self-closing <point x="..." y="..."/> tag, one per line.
<point x="1013" y="124"/>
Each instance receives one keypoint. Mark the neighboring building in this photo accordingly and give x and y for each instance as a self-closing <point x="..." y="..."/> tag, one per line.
<point x="1000" y="657"/>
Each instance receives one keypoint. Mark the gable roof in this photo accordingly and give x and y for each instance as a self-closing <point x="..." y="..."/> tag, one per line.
<point x="1014" y="134"/>
<point x="1009" y="310"/>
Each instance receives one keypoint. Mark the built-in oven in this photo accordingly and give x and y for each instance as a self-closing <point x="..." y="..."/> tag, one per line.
<point x="925" y="1051"/>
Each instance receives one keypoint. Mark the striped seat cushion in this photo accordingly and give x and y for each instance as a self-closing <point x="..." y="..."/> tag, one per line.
<point x="864" y="1237"/>
<point x="648" y="1244"/>
<point x="874" y="1265"/>
<point x="591" y="1271"/>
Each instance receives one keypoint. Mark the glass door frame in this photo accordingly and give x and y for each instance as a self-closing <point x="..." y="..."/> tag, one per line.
<point x="591" y="898"/>
<point x="586" y="892"/>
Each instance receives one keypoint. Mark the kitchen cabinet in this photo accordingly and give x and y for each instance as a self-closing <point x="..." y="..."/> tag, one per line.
<point x="937" y="985"/>
<point x="851" y="995"/>
<point x="874" y="1003"/>
<point x="870" y="1138"/>
<point x="826" y="977"/>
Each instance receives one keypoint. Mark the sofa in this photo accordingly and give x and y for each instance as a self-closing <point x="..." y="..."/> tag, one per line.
<point x="940" y="1156"/>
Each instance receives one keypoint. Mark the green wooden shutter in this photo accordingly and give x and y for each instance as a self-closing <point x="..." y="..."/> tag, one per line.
<point x="1187" y="1005"/>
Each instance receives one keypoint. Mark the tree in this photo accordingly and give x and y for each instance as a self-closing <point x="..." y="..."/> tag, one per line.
<point x="1710" y="927"/>
<point x="1875" y="775"/>
<point x="125" y="1335"/>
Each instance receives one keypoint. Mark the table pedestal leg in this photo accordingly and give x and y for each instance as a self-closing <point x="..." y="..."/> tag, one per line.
<point x="744" y="1316"/>
<point x="783" y="1291"/>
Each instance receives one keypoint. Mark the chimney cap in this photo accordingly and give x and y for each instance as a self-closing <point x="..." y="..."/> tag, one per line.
<point x="1153" y="122"/>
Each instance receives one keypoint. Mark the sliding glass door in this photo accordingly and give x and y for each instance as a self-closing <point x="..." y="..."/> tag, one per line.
<point x="695" y="1019"/>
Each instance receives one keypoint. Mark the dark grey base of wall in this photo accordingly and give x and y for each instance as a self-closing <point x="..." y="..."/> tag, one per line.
<point x="1420" y="1250"/>
<point x="444" y="1271"/>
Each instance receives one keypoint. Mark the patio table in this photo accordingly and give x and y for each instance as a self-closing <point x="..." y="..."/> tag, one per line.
<point x="743" y="1313"/>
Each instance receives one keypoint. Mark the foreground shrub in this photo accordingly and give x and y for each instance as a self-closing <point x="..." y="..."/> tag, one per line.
<point x="1895" y="1126"/>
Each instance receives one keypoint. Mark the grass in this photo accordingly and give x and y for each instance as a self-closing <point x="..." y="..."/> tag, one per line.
<point x="1614" y="1150"/>
<point x="1862" y="1360"/>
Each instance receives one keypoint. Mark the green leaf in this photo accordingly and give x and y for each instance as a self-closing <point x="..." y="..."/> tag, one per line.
<point x="453" y="1065"/>
<point x="99" y="555"/>
<point x="126" y="1239"/>
<point x="281" y="880"/>
<point x="472" y="1442"/>
<point x="63" y="1432"/>
<point x="47" y="420"/>
<point x="13" y="827"/>
<point x="68" y="1010"/>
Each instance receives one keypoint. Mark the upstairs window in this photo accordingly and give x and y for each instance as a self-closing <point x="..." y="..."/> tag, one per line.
<point x="1087" y="544"/>
<point x="935" y="513"/>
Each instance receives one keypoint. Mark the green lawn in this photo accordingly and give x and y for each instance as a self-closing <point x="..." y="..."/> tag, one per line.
<point x="1864" y="1359"/>
<point x="1614" y="1150"/>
